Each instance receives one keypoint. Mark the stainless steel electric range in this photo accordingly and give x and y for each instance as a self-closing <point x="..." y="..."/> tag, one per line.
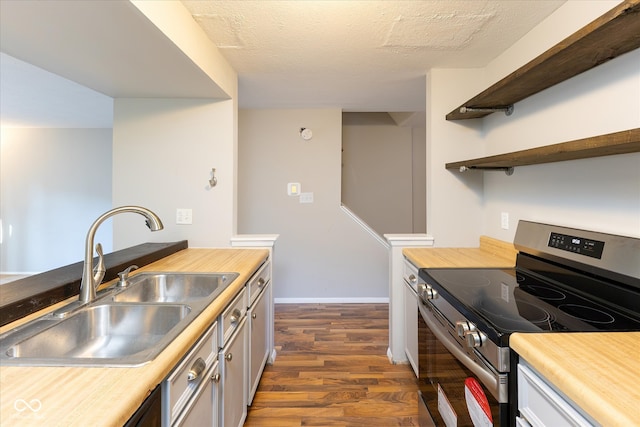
<point x="564" y="280"/>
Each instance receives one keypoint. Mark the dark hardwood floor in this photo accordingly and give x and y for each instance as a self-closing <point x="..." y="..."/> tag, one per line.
<point x="332" y="370"/>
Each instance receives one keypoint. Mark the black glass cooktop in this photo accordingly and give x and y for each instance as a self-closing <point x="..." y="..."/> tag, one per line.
<point x="515" y="300"/>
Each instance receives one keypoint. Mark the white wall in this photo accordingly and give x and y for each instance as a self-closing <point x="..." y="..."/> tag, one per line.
<point x="322" y="253"/>
<point x="163" y="153"/>
<point x="601" y="194"/>
<point x="55" y="183"/>
<point x="377" y="176"/>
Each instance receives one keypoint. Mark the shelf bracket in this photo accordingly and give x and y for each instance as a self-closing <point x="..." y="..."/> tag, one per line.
<point x="508" y="110"/>
<point x="508" y="170"/>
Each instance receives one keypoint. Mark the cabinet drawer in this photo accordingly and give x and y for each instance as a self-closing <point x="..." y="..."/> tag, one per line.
<point x="203" y="408"/>
<point x="259" y="281"/>
<point x="410" y="274"/>
<point x="542" y="406"/>
<point x="232" y="315"/>
<point x="182" y="383"/>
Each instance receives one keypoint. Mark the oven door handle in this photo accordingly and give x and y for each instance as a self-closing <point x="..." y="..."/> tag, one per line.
<point x="488" y="379"/>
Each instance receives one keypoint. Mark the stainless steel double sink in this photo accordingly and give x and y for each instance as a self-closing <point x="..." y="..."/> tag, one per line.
<point x="122" y="327"/>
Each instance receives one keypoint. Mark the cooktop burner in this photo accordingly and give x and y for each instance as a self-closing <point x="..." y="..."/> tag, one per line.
<point x="511" y="300"/>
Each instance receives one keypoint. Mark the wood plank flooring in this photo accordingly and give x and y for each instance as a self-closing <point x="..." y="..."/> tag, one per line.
<point x="332" y="370"/>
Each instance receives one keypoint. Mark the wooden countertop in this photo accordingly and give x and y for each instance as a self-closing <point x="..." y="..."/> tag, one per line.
<point x="77" y="396"/>
<point x="491" y="253"/>
<point x="600" y="372"/>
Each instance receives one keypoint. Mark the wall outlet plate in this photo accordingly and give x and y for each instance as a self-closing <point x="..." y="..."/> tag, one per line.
<point x="184" y="216"/>
<point x="306" y="197"/>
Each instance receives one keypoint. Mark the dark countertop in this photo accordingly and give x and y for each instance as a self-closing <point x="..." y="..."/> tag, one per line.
<point x="25" y="296"/>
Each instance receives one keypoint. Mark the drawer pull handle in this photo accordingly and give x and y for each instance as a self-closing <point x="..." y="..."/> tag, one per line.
<point x="254" y="315"/>
<point x="215" y="377"/>
<point x="196" y="369"/>
<point x="235" y="316"/>
<point x="229" y="356"/>
<point x="261" y="282"/>
<point x="412" y="278"/>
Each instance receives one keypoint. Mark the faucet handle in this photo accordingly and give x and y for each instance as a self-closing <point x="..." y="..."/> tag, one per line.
<point x="100" y="269"/>
<point x="124" y="276"/>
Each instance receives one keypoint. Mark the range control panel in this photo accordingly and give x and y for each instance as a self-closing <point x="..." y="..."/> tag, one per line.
<point x="578" y="245"/>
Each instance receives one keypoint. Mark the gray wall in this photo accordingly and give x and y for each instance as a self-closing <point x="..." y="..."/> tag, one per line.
<point x="55" y="183"/>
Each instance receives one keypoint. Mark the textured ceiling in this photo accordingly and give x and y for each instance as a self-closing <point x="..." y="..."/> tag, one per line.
<point x="357" y="55"/>
<point x="361" y="56"/>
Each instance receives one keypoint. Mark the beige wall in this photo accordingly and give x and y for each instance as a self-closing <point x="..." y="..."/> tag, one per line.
<point x="321" y="254"/>
<point x="377" y="176"/>
<point x="418" y="179"/>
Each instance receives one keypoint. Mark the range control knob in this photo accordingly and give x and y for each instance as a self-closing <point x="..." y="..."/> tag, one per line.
<point x="463" y="327"/>
<point x="422" y="288"/>
<point x="426" y="292"/>
<point x="475" y="339"/>
<point x="431" y="293"/>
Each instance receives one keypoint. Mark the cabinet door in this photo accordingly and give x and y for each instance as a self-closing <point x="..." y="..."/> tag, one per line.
<point x="411" y="326"/>
<point x="203" y="408"/>
<point x="258" y="345"/>
<point x="233" y="357"/>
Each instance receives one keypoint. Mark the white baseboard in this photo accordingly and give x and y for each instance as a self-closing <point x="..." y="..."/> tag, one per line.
<point x="363" y="300"/>
<point x="402" y="361"/>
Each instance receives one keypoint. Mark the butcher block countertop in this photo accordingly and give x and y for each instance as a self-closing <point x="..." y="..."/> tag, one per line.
<point x="81" y="396"/>
<point x="600" y="372"/>
<point x="491" y="253"/>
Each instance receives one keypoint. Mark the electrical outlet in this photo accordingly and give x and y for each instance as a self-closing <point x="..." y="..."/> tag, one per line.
<point x="306" y="197"/>
<point x="504" y="220"/>
<point x="184" y="216"/>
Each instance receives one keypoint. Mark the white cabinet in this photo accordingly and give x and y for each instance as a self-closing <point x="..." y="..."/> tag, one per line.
<point x="260" y="326"/>
<point x="258" y="318"/>
<point x="233" y="405"/>
<point x="233" y="358"/>
<point x="541" y="405"/>
<point x="410" y="277"/>
<point x="217" y="379"/>
<point x="182" y="391"/>
<point x="397" y="322"/>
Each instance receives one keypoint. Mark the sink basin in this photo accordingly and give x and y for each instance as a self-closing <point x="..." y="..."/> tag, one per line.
<point x="106" y="334"/>
<point x="123" y="327"/>
<point x="174" y="287"/>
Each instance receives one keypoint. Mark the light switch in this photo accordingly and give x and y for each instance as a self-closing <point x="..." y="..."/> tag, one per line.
<point x="293" y="188"/>
<point x="184" y="216"/>
<point x="504" y="220"/>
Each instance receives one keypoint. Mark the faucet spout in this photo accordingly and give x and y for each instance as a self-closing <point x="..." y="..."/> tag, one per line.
<point x="91" y="280"/>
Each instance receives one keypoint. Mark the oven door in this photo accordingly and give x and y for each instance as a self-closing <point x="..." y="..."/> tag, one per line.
<point x="454" y="394"/>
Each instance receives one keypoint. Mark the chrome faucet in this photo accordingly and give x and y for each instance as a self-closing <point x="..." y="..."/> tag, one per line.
<point x="91" y="279"/>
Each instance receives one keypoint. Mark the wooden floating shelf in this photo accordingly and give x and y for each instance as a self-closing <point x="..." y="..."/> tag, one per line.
<point x="623" y="142"/>
<point x="611" y="35"/>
